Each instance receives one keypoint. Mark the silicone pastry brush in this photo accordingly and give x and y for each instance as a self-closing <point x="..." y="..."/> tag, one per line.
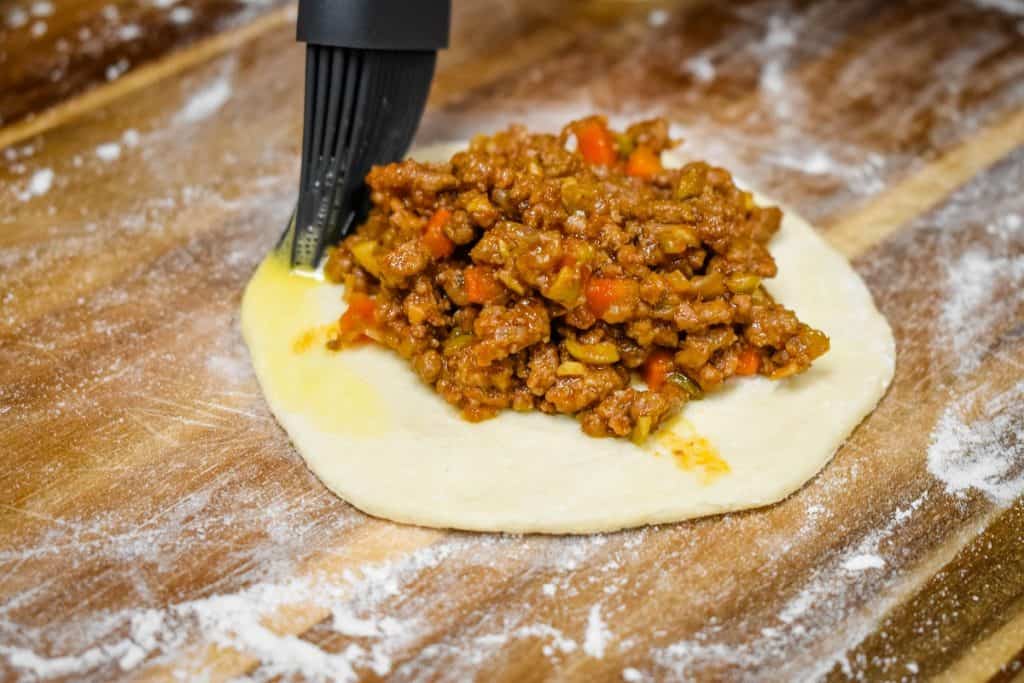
<point x="369" y="64"/>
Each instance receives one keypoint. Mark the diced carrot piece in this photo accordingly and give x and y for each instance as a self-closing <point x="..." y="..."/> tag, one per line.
<point x="657" y="368"/>
<point x="360" y="315"/>
<point x="749" y="362"/>
<point x="434" y="239"/>
<point x="595" y="143"/>
<point x="643" y="163"/>
<point x="604" y="292"/>
<point x="481" y="285"/>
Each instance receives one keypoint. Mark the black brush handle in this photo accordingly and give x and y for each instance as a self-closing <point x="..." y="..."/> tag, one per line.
<point x="375" y="24"/>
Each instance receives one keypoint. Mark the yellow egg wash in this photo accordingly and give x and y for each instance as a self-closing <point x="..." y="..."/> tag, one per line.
<point x="286" y="329"/>
<point x="690" y="450"/>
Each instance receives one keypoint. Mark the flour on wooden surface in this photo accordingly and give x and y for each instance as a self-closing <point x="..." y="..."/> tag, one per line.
<point x="38" y="184"/>
<point x="108" y="151"/>
<point x="982" y="288"/>
<point x="978" y="444"/>
<point x="816" y="612"/>
<point x="596" y="638"/>
<point x="16" y="17"/>
<point x="41" y="8"/>
<point x="1008" y="6"/>
<point x="859" y="563"/>
<point x="702" y="68"/>
<point x="631" y="675"/>
<point x="356" y="603"/>
<point x="206" y="101"/>
<point x="129" y="32"/>
<point x="181" y="15"/>
<point x="117" y="69"/>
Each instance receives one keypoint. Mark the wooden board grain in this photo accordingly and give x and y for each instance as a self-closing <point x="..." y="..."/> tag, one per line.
<point x="53" y="50"/>
<point x="155" y="521"/>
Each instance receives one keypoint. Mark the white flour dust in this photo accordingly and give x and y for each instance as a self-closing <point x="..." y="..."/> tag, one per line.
<point x="817" y="612"/>
<point x="117" y="69"/>
<point x="631" y="675"/>
<point x="41" y="8"/>
<point x="702" y="68"/>
<point x="978" y="444"/>
<point x="131" y="138"/>
<point x="370" y="605"/>
<point x="38" y="184"/>
<point x="237" y="620"/>
<point x="597" y="635"/>
<point x="129" y="32"/>
<point x="108" y="151"/>
<point x="16" y="17"/>
<point x="206" y="101"/>
<point x="181" y="15"/>
<point x="859" y="563"/>
<point x="1008" y="6"/>
<point x="982" y="288"/>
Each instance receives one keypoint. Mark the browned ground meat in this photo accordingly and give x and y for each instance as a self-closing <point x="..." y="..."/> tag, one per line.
<point x="542" y="272"/>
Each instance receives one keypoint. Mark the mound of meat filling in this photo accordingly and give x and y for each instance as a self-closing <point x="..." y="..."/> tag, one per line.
<point x="551" y="272"/>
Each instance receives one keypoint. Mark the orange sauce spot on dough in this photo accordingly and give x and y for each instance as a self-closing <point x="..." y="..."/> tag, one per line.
<point x="304" y="341"/>
<point x="691" y="451"/>
<point x="314" y="335"/>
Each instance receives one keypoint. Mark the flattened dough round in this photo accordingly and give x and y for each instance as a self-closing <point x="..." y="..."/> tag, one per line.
<point x="380" y="439"/>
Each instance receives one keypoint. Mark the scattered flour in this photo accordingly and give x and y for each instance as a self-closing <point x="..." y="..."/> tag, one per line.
<point x="41" y="182"/>
<point x="973" y="305"/>
<point x="16" y="17"/>
<point x="631" y="675"/>
<point x="702" y="68"/>
<point x="41" y="8"/>
<point x="1015" y="7"/>
<point x="237" y="620"/>
<point x="108" y="151"/>
<point x="595" y="640"/>
<point x="780" y="33"/>
<point x="370" y="604"/>
<point x="131" y="138"/>
<point x="814" y="613"/>
<point x="38" y="29"/>
<point x="859" y="563"/>
<point x="816" y="162"/>
<point x="117" y="69"/>
<point x="773" y="78"/>
<point x="181" y="15"/>
<point x="657" y="17"/>
<point x="205" y="102"/>
<point x="979" y="444"/>
<point x="230" y="368"/>
<point x="129" y="32"/>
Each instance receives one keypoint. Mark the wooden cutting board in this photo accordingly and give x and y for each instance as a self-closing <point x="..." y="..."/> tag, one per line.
<point x="155" y="522"/>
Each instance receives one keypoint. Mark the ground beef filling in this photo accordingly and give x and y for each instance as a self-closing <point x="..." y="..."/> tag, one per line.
<point x="551" y="272"/>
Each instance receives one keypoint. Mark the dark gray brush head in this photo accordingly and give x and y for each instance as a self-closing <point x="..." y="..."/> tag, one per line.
<point x="369" y="64"/>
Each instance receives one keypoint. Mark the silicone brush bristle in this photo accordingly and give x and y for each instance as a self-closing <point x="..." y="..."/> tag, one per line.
<point x="362" y="108"/>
